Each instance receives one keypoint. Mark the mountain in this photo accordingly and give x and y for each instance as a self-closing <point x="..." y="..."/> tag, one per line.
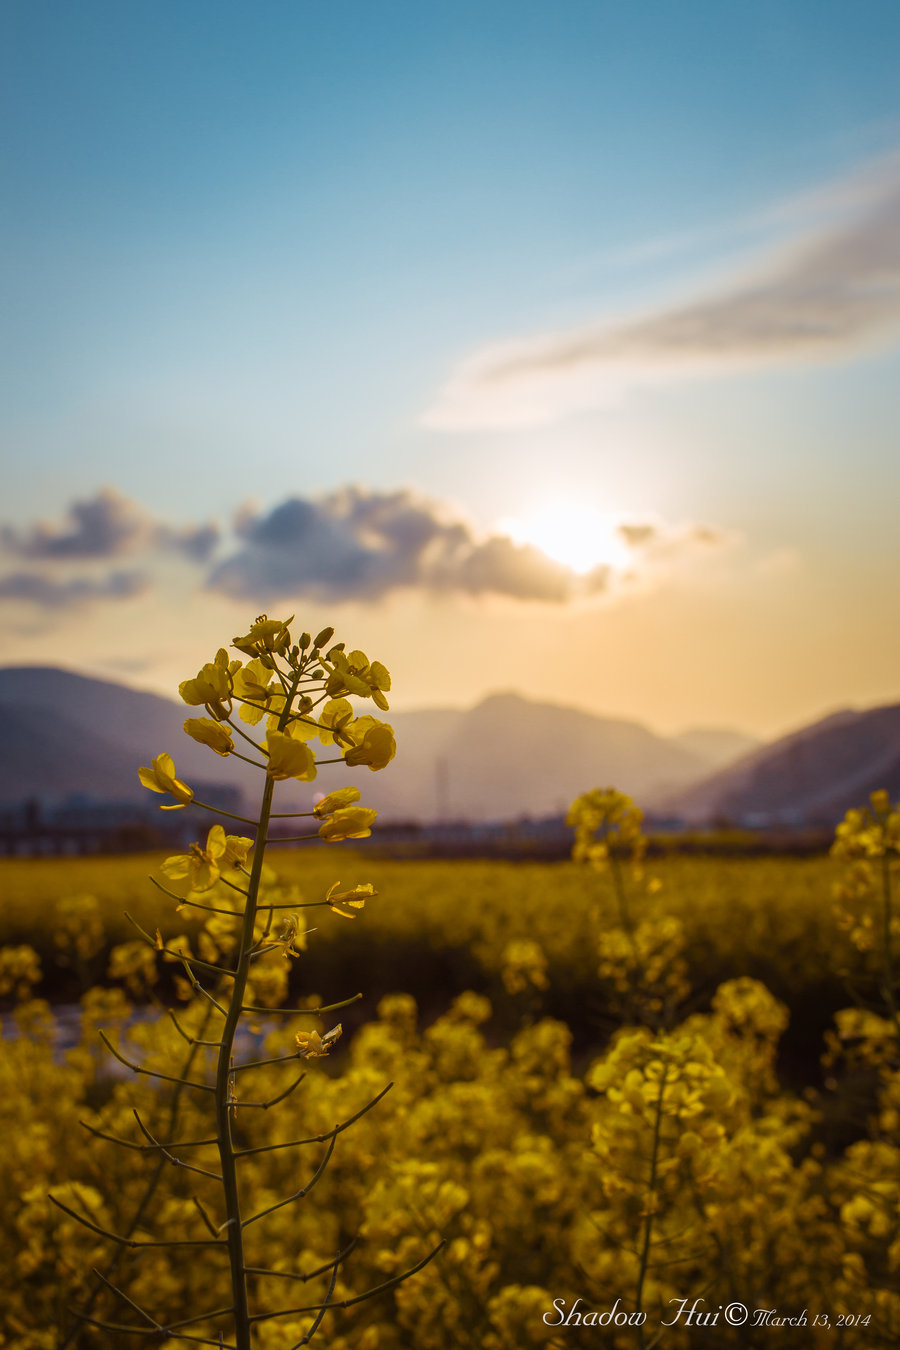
<point x="65" y="733"/>
<point x="512" y="756"/>
<point x="812" y="776"/>
<point x="718" y="746"/>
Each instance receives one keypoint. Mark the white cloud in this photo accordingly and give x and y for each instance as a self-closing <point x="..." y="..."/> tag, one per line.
<point x="826" y="293"/>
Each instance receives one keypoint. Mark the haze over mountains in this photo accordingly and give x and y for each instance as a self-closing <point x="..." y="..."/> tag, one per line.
<point x="508" y="756"/>
<point x="65" y="733"/>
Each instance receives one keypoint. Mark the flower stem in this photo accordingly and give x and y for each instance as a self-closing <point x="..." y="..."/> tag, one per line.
<point x="224" y="1064"/>
<point x="223" y="1083"/>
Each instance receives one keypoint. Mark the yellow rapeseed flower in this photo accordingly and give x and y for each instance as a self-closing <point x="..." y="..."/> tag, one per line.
<point x="266" y="636"/>
<point x="344" y="796"/>
<point x="161" y="778"/>
<point x="351" y="822"/>
<point x="345" y="902"/>
<point x="203" y="866"/>
<point x="252" y="683"/>
<point x="310" y="1045"/>
<point x="209" y="732"/>
<point x="289" y="758"/>
<point x="374" y="743"/>
<point x="212" y="684"/>
<point x="334" y="718"/>
<point x="353" y="673"/>
<point x="292" y="938"/>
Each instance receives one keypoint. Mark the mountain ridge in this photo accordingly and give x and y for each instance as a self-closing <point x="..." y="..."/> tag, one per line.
<point x="506" y="756"/>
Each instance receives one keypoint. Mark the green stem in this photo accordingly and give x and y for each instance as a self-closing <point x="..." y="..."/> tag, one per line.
<point x="889" y="994"/>
<point x="224" y="1065"/>
<point x="223" y="1081"/>
<point x="621" y="901"/>
<point x="651" y="1201"/>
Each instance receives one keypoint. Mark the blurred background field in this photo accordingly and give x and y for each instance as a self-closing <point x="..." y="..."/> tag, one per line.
<point x="439" y="927"/>
<point x="527" y="1123"/>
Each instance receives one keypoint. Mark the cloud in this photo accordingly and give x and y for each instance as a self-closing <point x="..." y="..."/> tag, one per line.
<point x="358" y="544"/>
<point x="196" y="542"/>
<point x="655" y="540"/>
<point x="106" y="525"/>
<point x="352" y="544"/>
<point x="49" y="593"/>
<point x="826" y="294"/>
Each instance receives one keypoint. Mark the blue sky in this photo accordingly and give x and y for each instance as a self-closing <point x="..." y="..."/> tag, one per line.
<point x="631" y="259"/>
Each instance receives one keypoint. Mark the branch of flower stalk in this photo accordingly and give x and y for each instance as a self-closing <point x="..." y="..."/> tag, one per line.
<point x="190" y="1167"/>
<point x="230" y="884"/>
<point x="179" y="955"/>
<point x="217" y="811"/>
<point x="165" y="890"/>
<point x="260" y="1063"/>
<point x="173" y="1326"/>
<point x="150" y="1189"/>
<point x="358" y="1298"/>
<point x="125" y="1299"/>
<point x="149" y="1331"/>
<point x="137" y="1242"/>
<point x="310" y="1275"/>
<point x="191" y="1040"/>
<point x="199" y="989"/>
<point x="295" y="815"/>
<point x="145" y="1148"/>
<point x="210" y="909"/>
<point x="317" y="1322"/>
<point x="240" y="731"/>
<point x="185" y="900"/>
<point x="205" y="1217"/>
<point x="151" y="1073"/>
<point x="247" y="760"/>
<point x="298" y="1195"/>
<point x="306" y="1012"/>
<point x="195" y="961"/>
<point x="316" y="1138"/>
<point x="298" y="904"/>
<point x="273" y="1101"/>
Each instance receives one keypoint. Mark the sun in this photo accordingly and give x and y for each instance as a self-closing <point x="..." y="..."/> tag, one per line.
<point x="577" y="536"/>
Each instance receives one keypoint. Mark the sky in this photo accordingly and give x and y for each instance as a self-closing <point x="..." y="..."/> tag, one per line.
<point x="533" y="346"/>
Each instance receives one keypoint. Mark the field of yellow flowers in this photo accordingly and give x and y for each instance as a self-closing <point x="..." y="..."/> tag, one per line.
<point x="598" y="1093"/>
<point x="619" y="1099"/>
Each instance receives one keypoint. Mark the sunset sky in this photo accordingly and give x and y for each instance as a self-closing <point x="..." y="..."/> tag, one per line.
<point x="551" y="347"/>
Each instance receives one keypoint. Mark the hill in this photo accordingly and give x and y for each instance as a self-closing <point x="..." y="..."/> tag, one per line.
<point x="65" y="733"/>
<point x="812" y="776"/>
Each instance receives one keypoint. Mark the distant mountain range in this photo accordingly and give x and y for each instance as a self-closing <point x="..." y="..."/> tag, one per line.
<point x="508" y="756"/>
<point x="812" y="776"/>
<point x="64" y="733"/>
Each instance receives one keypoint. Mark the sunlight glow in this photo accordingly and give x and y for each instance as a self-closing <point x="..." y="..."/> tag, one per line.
<point x="576" y="536"/>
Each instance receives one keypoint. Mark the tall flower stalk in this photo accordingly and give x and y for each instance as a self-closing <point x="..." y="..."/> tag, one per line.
<point x="301" y="691"/>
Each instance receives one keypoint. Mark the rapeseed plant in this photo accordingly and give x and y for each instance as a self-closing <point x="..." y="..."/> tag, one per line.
<point x="302" y="690"/>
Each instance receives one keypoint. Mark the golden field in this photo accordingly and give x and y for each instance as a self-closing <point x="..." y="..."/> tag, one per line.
<point x="580" y="1109"/>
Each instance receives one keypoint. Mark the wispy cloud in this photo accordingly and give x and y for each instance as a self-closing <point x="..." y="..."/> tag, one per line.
<point x="358" y="544"/>
<point x="826" y="293"/>
<point x="46" y="592"/>
<point x="107" y="525"/>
